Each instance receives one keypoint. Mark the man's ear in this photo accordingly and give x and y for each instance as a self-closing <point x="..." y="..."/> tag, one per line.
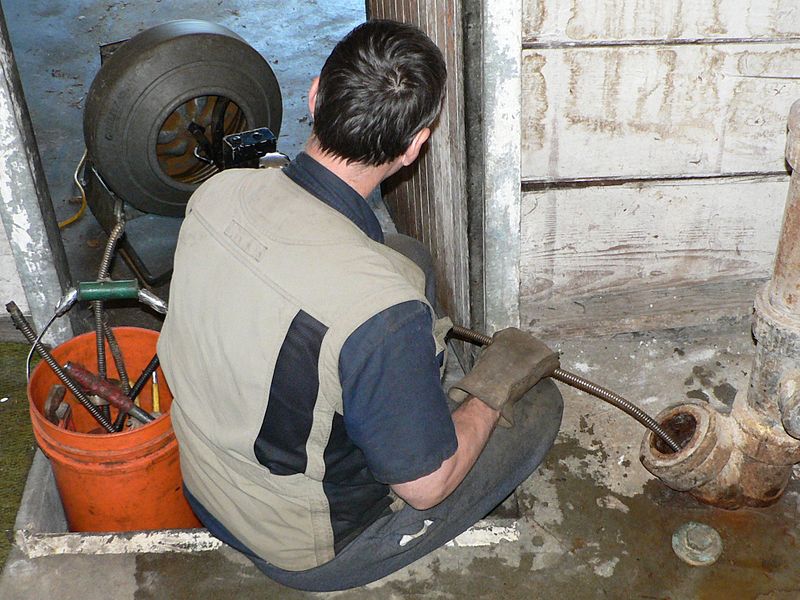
<point x="415" y="147"/>
<point x="312" y="96"/>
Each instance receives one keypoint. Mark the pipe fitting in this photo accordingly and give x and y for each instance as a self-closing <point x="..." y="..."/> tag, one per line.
<point x="742" y="459"/>
<point x="761" y="435"/>
<point x="706" y="447"/>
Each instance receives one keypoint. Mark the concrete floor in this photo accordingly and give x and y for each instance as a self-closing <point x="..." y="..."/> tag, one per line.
<point x="591" y="522"/>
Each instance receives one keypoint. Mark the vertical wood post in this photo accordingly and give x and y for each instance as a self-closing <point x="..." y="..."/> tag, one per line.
<point x="428" y="201"/>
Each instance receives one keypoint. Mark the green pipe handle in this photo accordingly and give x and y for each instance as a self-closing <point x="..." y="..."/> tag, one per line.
<point x="123" y="289"/>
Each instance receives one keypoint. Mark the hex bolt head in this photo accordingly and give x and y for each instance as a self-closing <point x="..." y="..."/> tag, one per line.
<point x="697" y="544"/>
<point x="699" y="539"/>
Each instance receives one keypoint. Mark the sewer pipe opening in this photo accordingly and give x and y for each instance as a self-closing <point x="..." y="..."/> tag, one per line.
<point x="681" y="427"/>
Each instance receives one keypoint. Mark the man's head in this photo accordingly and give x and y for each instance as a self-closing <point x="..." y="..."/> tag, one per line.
<point x="378" y="93"/>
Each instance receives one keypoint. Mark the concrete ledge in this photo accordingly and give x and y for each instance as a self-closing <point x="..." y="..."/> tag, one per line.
<point x="41" y="528"/>
<point x="40" y="509"/>
<point x="36" y="545"/>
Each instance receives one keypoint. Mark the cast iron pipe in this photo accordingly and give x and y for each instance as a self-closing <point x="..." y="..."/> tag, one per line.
<point x="21" y="323"/>
<point x="580" y="383"/>
<point x="746" y="458"/>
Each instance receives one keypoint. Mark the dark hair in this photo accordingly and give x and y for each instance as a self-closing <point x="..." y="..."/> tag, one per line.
<point x="381" y="85"/>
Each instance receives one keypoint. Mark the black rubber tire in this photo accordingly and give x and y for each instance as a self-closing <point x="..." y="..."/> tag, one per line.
<point x="150" y="76"/>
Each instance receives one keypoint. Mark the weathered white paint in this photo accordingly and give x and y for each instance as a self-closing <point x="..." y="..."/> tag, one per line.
<point x="584" y="20"/>
<point x="486" y="533"/>
<point x="612" y="502"/>
<point x="604" y="568"/>
<point x="591" y="240"/>
<point x="608" y="256"/>
<point x="483" y="533"/>
<point x="20" y="186"/>
<point x="657" y="111"/>
<point x="10" y="284"/>
<point x="643" y="89"/>
<point x="36" y="545"/>
<point x="502" y="34"/>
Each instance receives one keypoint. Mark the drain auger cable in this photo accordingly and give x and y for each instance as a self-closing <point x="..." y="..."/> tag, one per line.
<point x="21" y="323"/>
<point x="579" y="383"/>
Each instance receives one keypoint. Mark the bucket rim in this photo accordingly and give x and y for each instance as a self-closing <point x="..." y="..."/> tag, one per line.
<point x="38" y="416"/>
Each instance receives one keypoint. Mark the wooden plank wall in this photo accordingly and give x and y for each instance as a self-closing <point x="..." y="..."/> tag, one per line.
<point x="652" y="158"/>
<point x="428" y="201"/>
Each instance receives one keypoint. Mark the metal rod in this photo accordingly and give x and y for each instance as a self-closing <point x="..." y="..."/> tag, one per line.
<point x="100" y="325"/>
<point x="144" y="377"/>
<point x="580" y="383"/>
<point x="22" y="324"/>
<point x="105" y="289"/>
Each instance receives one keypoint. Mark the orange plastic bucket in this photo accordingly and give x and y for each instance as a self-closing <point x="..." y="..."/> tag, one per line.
<point x="124" y="481"/>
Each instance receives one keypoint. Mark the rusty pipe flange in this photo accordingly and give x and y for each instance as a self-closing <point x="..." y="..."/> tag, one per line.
<point x="701" y="458"/>
<point x="757" y="484"/>
<point x="789" y="403"/>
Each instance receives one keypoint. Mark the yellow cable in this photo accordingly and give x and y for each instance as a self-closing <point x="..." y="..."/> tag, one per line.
<point x="82" y="209"/>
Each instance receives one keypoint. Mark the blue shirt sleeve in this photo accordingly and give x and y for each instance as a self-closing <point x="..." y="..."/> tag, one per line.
<point x="395" y="410"/>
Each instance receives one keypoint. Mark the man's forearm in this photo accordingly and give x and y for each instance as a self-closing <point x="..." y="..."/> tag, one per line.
<point x="474" y="422"/>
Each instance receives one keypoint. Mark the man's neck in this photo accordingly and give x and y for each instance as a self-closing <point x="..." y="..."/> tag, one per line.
<point x="362" y="178"/>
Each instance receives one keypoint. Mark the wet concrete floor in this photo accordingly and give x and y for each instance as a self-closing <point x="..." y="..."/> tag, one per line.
<point x="592" y="522"/>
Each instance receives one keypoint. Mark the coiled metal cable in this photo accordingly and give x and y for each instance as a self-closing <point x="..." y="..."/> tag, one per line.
<point x="580" y="383"/>
<point x="97" y="305"/>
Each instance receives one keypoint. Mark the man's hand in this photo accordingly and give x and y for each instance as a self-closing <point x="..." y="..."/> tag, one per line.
<point x="507" y="368"/>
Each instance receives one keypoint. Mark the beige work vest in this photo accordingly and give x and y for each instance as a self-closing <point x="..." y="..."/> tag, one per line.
<point x="255" y="249"/>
